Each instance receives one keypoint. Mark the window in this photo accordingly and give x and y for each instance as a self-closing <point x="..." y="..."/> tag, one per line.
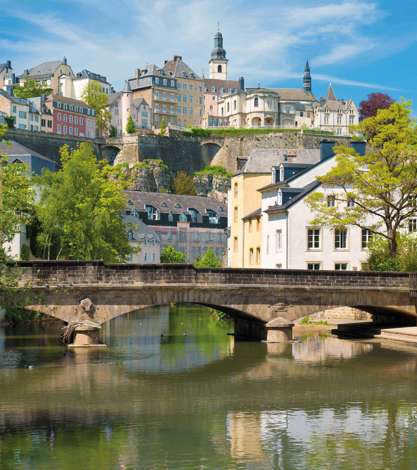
<point x="313" y="238"/>
<point x="339" y="119"/>
<point x="213" y="219"/>
<point x="351" y="120"/>
<point x="65" y="118"/>
<point x="278" y="240"/>
<point x="250" y="226"/>
<point x="251" y="256"/>
<point x="152" y="212"/>
<point x="331" y="201"/>
<point x="366" y="237"/>
<point x="235" y="214"/>
<point x="43" y="122"/>
<point x="267" y="244"/>
<point x="258" y="255"/>
<point x="194" y="214"/>
<point x="70" y="119"/>
<point x="234" y="105"/>
<point x="58" y="129"/>
<point x="341" y="266"/>
<point x="326" y="119"/>
<point x="256" y="102"/>
<point x="228" y="107"/>
<point x="23" y="114"/>
<point x="258" y="224"/>
<point x="340" y="238"/>
<point x="313" y="266"/>
<point x="219" y="69"/>
<point x="235" y="244"/>
<point x="235" y="191"/>
<point x="412" y="225"/>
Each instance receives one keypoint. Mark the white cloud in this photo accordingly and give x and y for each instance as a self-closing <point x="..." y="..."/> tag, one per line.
<point x="265" y="40"/>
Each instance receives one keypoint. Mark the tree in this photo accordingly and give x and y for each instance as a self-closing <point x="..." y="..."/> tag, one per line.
<point x="162" y="127"/>
<point x="380" y="258"/>
<point x="375" y="101"/>
<point x="377" y="191"/>
<point x="130" y="126"/>
<point x="208" y="260"/>
<point x="170" y="255"/>
<point x="31" y="89"/>
<point x="95" y="97"/>
<point x="10" y="121"/>
<point x="183" y="184"/>
<point x="80" y="209"/>
<point x="16" y="198"/>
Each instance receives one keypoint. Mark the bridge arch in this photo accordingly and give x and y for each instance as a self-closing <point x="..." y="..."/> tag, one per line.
<point x="209" y="149"/>
<point x="110" y="152"/>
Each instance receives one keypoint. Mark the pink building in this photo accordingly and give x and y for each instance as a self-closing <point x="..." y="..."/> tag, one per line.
<point x="72" y="117"/>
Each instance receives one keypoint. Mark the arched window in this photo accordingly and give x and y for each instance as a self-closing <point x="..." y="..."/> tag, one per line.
<point x="213" y="219"/>
<point x="219" y="69"/>
<point x="256" y="102"/>
<point x="194" y="214"/>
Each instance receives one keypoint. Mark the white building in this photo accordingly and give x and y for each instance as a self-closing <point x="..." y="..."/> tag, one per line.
<point x="22" y="110"/>
<point x="74" y="86"/>
<point x="289" y="241"/>
<point x="336" y="116"/>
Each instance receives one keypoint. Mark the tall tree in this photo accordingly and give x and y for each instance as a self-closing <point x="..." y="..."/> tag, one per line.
<point x="31" y="89"/>
<point x="80" y="209"/>
<point x="375" y="101"/>
<point x="208" y="260"/>
<point x="184" y="184"/>
<point x="377" y="191"/>
<point x="95" y="97"/>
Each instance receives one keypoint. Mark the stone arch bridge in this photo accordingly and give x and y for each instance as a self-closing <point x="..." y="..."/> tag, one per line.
<point x="253" y="297"/>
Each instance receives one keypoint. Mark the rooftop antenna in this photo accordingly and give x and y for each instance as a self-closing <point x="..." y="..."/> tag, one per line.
<point x="218" y="26"/>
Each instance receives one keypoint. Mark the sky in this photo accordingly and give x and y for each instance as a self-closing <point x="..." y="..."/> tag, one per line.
<point x="359" y="46"/>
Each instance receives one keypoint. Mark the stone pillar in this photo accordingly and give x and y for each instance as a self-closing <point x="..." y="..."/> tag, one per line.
<point x="279" y="330"/>
<point x="86" y="336"/>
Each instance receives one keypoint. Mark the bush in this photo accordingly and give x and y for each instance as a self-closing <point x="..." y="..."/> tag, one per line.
<point x="25" y="253"/>
<point x="10" y="120"/>
<point x="208" y="260"/>
<point x="380" y="258"/>
<point x="170" y="255"/>
<point x="184" y="184"/>
<point x="130" y="126"/>
<point x="215" y="170"/>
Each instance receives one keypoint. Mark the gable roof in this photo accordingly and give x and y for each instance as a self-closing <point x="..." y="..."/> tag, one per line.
<point x="177" y="68"/>
<point x="294" y="94"/>
<point x="300" y="193"/>
<point x="44" y="69"/>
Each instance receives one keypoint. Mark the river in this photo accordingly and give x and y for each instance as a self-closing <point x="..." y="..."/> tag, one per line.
<point x="174" y="391"/>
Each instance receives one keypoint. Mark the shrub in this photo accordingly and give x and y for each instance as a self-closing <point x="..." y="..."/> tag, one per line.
<point x="208" y="260"/>
<point x="170" y="255"/>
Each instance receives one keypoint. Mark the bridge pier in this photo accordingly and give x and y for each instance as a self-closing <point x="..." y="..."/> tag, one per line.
<point x="279" y="330"/>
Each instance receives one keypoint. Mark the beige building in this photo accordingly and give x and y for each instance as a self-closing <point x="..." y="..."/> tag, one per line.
<point x="49" y="74"/>
<point x="245" y="200"/>
<point x="23" y="111"/>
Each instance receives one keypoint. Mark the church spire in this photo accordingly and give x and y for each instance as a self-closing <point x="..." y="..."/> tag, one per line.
<point x="218" y="52"/>
<point x="218" y="62"/>
<point x="330" y="93"/>
<point x="307" y="78"/>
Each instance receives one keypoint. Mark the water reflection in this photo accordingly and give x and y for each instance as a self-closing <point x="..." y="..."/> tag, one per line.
<point x="193" y="399"/>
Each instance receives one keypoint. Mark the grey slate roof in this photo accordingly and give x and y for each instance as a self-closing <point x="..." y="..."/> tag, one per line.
<point x="45" y="69"/>
<point x="166" y="202"/>
<point x="11" y="148"/>
<point x="14" y="99"/>
<point x="177" y="68"/>
<point x="299" y="193"/>
<point x="262" y="160"/>
<point x="253" y="215"/>
<point x="91" y="75"/>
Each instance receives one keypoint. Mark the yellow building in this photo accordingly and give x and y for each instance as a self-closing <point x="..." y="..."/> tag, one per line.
<point x="245" y="219"/>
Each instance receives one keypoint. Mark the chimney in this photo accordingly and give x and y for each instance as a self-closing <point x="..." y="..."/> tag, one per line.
<point x="64" y="61"/>
<point x="177" y="58"/>
<point x="242" y="84"/>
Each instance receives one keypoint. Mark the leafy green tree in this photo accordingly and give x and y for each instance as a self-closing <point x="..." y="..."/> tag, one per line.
<point x="31" y="89"/>
<point x="95" y="97"/>
<point x="130" y="126"/>
<point x="162" y="127"/>
<point x="112" y="131"/>
<point x="184" y="184"/>
<point x="80" y="209"/>
<point x="16" y="199"/>
<point x="381" y="185"/>
<point x="10" y="121"/>
<point x="380" y="258"/>
<point x="208" y="260"/>
<point x="170" y="255"/>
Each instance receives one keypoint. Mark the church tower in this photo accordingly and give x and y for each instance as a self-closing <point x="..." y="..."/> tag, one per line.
<point x="307" y="78"/>
<point x="218" y="61"/>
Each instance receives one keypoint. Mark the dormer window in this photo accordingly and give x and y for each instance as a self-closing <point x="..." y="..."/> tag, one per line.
<point x="281" y="173"/>
<point x="152" y="212"/>
<point x="279" y="198"/>
<point x="212" y="215"/>
<point x="194" y="214"/>
<point x="178" y="205"/>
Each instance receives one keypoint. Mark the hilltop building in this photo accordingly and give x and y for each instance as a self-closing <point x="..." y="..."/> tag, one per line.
<point x="73" y="86"/>
<point x="49" y="74"/>
<point x="7" y="76"/>
<point x="218" y="83"/>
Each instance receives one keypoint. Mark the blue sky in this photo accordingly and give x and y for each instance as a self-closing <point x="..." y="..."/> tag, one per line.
<point x="361" y="46"/>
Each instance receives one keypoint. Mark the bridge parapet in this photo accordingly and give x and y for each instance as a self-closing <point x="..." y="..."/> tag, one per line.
<point x="61" y="273"/>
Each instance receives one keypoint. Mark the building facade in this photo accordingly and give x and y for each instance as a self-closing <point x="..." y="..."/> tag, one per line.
<point x="7" y="76"/>
<point x="73" y="86"/>
<point x="25" y="114"/>
<point x="191" y="224"/>
<point x="49" y="74"/>
<point x="122" y="105"/>
<point x="71" y="117"/>
<point x="244" y="201"/>
<point x="289" y="240"/>
<point x="336" y="116"/>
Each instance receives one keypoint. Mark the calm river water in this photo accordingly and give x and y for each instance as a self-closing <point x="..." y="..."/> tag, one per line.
<point x="173" y="391"/>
